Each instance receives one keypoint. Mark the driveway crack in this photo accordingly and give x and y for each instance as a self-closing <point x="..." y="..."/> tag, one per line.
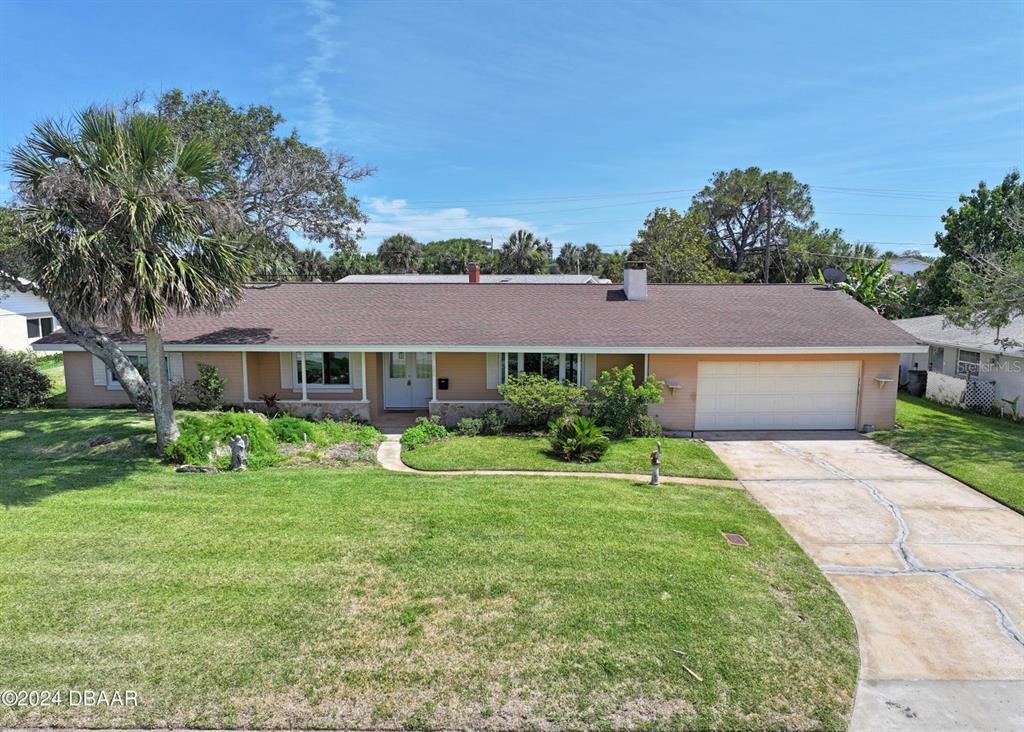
<point x="911" y="566"/>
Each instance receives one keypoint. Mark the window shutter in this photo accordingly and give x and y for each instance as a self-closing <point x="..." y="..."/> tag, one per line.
<point x="589" y="368"/>
<point x="493" y="377"/>
<point x="99" y="372"/>
<point x="355" y="364"/>
<point x="175" y="368"/>
<point x="287" y="359"/>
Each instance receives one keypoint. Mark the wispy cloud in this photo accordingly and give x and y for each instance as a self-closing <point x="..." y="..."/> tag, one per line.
<point x="395" y="216"/>
<point x="325" y="49"/>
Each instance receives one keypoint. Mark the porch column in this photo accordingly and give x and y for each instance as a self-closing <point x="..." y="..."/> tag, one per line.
<point x="433" y="376"/>
<point x="302" y="361"/>
<point x="362" y="374"/>
<point x="245" y="377"/>
<point x="647" y="365"/>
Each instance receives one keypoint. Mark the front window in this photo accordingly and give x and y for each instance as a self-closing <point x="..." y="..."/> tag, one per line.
<point x="140" y="361"/>
<point x="967" y="363"/>
<point x="39" y="327"/>
<point x="324" y="368"/>
<point x="559" y="366"/>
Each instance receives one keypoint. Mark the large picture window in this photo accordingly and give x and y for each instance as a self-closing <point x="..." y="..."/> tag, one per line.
<point x="560" y="366"/>
<point x="324" y="368"/>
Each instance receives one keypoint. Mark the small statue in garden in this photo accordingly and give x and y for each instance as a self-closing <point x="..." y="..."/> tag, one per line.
<point x="239" y="452"/>
<point x="656" y="465"/>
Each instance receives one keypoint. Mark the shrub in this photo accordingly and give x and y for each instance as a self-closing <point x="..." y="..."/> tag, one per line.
<point x="469" y="427"/>
<point x="423" y="432"/>
<point x="620" y="405"/>
<point x="291" y="429"/>
<point x="493" y="422"/>
<point x="330" y="432"/>
<point x="647" y="427"/>
<point x="209" y="387"/>
<point x="536" y="400"/>
<point x="22" y="384"/>
<point x="201" y="436"/>
<point x="578" y="438"/>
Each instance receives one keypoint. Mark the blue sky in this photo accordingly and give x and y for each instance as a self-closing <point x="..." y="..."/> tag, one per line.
<point x="571" y="119"/>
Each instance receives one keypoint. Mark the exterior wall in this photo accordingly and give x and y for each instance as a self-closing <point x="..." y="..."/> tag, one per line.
<point x="13" y="332"/>
<point x="228" y="363"/>
<point x="608" y="361"/>
<point x="81" y="391"/>
<point x="467" y="377"/>
<point x="678" y="412"/>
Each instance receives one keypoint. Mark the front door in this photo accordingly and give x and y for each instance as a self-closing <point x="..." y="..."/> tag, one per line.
<point x="408" y="380"/>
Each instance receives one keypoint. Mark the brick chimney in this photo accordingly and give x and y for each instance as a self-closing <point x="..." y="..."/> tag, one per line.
<point x="634" y="280"/>
<point x="474" y="273"/>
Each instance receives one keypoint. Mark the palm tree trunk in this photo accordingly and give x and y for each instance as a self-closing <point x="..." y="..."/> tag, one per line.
<point x="107" y="351"/>
<point x="160" y="387"/>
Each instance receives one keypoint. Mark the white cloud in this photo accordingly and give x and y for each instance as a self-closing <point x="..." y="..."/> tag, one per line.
<point x="394" y="216"/>
<point x="325" y="48"/>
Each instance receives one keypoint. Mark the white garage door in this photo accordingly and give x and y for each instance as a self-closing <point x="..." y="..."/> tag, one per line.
<point x="780" y="395"/>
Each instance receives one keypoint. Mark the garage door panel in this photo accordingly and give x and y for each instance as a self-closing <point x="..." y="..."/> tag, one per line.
<point x="777" y="394"/>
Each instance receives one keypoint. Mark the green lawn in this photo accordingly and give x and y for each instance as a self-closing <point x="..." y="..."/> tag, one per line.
<point x="679" y="457"/>
<point x="53" y="367"/>
<point x="319" y="597"/>
<point x="985" y="452"/>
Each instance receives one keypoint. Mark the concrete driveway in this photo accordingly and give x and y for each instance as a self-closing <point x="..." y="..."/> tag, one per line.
<point x="932" y="571"/>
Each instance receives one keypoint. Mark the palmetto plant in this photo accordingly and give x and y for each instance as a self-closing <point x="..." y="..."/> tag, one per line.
<point x="129" y="224"/>
<point x="578" y="438"/>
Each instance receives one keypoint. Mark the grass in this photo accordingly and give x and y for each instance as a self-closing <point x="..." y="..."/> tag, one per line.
<point x="984" y="452"/>
<point x="513" y="452"/>
<point x="53" y="367"/>
<point x="362" y="598"/>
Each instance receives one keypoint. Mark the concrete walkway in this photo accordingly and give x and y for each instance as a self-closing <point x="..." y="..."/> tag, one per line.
<point x="932" y="571"/>
<point x="389" y="455"/>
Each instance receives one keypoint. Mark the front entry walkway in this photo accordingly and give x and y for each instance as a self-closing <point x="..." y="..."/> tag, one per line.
<point x="932" y="571"/>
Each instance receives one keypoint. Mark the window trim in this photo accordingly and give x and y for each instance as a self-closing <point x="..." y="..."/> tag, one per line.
<point x="297" y="373"/>
<point x="520" y="362"/>
<point x="38" y="320"/>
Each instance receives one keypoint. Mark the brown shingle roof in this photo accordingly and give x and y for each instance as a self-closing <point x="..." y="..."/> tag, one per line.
<point x="568" y="316"/>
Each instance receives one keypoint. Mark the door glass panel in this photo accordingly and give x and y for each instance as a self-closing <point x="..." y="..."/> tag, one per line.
<point x="424" y="365"/>
<point x="397" y="366"/>
<point x="531" y="363"/>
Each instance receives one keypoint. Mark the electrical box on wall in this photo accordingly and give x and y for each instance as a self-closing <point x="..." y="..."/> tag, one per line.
<point x="442" y="384"/>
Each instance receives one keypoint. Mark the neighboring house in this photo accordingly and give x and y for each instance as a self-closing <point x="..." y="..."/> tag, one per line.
<point x="908" y="265"/>
<point x="956" y="355"/>
<point x="508" y="279"/>
<point x="24" y="319"/>
<point x="731" y="356"/>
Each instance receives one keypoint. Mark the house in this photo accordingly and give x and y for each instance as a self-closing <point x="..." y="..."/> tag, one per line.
<point x="957" y="355"/>
<point x="908" y="265"/>
<point x="505" y="279"/>
<point x="731" y="356"/>
<point x="24" y="319"/>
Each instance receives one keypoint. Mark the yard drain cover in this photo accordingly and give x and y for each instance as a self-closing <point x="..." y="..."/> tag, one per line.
<point x="735" y="539"/>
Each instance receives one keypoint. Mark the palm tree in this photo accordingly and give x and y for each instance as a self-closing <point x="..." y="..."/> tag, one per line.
<point x="310" y="265"/>
<point x="399" y="253"/>
<point x="569" y="258"/>
<point x="523" y="253"/>
<point x="129" y="225"/>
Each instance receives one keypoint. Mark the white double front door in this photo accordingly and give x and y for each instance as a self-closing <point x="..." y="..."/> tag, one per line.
<point x="408" y="379"/>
